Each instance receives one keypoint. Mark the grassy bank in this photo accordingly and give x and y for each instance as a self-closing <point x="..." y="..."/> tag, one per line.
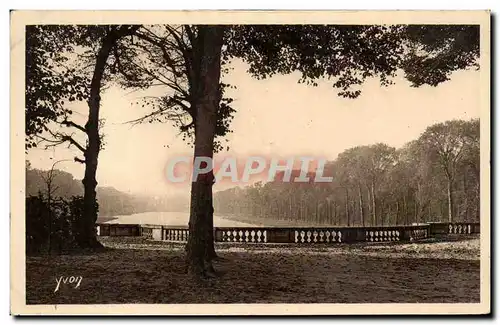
<point x="135" y="270"/>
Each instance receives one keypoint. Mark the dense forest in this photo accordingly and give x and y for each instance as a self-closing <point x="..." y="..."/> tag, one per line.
<point x="111" y="201"/>
<point x="433" y="178"/>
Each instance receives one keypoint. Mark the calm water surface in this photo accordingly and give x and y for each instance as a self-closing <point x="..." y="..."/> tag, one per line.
<point x="171" y="219"/>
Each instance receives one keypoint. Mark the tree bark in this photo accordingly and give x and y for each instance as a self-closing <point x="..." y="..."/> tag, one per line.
<point x="199" y="248"/>
<point x="86" y="238"/>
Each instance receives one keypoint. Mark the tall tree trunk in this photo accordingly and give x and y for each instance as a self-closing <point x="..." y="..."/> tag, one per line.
<point x="199" y="247"/>
<point x="361" y="206"/>
<point x="416" y="210"/>
<point x="397" y="212"/>
<point x="389" y="214"/>
<point x="450" y="200"/>
<point x="347" y="204"/>
<point x="405" y="210"/>
<point x="374" y="206"/>
<point x="370" y="208"/>
<point x="466" y="198"/>
<point x="86" y="237"/>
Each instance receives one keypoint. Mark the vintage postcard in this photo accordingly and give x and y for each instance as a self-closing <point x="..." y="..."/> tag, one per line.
<point x="250" y="163"/>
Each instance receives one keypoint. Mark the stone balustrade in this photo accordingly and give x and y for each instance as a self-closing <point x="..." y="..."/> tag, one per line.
<point x="297" y="235"/>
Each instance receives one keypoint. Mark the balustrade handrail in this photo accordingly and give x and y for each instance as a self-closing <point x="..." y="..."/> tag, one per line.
<point x="292" y="227"/>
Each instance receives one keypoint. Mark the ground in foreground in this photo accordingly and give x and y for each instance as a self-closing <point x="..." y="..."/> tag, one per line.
<point x="134" y="270"/>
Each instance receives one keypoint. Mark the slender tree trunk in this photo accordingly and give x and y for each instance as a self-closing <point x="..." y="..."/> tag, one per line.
<point x="199" y="248"/>
<point x="86" y="237"/>
<point x="389" y="215"/>
<point x="405" y="209"/>
<point x="450" y="200"/>
<point x="374" y="206"/>
<point x="370" y="208"/>
<point x="361" y="206"/>
<point x="466" y="198"/>
<point x="49" y="210"/>
<point x="416" y="210"/>
<point x="347" y="205"/>
<point x="478" y="202"/>
<point x="441" y="211"/>
<point x="397" y="211"/>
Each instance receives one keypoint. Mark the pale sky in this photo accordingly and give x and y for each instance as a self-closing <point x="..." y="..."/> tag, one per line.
<point x="276" y="117"/>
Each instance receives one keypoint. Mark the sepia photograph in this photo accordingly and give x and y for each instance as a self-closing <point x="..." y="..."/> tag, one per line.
<point x="250" y="163"/>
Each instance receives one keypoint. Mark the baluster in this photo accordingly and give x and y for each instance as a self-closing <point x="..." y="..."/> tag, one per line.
<point x="314" y="236"/>
<point x="308" y="236"/>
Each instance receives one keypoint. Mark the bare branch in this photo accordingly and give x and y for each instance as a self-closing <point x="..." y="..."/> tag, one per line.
<point x="120" y="68"/>
<point x="69" y="123"/>
<point x="79" y="160"/>
<point x="60" y="138"/>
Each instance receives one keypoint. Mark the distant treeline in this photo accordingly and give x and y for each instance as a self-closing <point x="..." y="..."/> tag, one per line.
<point x="433" y="178"/>
<point x="111" y="201"/>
